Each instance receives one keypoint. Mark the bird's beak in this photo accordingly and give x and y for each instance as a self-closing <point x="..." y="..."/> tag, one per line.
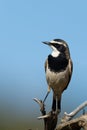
<point x="47" y="43"/>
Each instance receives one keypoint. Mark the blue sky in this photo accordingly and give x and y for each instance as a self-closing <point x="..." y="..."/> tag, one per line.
<point x="24" y="24"/>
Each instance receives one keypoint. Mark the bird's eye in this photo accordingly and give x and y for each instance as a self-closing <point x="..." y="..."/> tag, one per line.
<point x="62" y="48"/>
<point x="56" y="46"/>
<point x="59" y="47"/>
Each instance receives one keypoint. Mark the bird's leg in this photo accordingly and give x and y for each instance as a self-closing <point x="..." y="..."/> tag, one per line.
<point x="46" y="96"/>
<point x="58" y="105"/>
<point x="54" y="104"/>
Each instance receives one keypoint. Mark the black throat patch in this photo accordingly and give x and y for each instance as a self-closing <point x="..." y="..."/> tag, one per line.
<point x="57" y="64"/>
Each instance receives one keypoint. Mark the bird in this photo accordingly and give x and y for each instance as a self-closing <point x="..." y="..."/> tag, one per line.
<point x="58" y="70"/>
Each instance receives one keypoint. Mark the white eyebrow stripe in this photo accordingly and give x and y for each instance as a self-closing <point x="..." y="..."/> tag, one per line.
<point x="58" y="43"/>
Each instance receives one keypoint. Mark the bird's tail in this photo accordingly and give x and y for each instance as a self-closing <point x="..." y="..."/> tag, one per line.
<point x="56" y="104"/>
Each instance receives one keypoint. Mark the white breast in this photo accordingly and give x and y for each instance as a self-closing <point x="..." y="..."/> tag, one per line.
<point x="57" y="81"/>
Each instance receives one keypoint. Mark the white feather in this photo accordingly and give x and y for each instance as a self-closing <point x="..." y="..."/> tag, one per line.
<point x="55" y="52"/>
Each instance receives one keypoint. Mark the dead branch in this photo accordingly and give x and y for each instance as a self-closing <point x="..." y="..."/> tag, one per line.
<point x="69" y="116"/>
<point x="50" y="119"/>
<point x="75" y="124"/>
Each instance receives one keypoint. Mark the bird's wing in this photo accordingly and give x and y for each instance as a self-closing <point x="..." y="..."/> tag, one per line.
<point x="70" y="71"/>
<point x="70" y="68"/>
<point x="46" y="62"/>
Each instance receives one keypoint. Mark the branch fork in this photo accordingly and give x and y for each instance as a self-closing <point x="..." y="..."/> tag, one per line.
<point x="50" y="119"/>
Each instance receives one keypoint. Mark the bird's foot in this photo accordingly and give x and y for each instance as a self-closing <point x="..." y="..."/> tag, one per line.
<point x="56" y="112"/>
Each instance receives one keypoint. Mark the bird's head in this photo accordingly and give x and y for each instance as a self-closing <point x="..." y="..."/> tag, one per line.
<point x="58" y="46"/>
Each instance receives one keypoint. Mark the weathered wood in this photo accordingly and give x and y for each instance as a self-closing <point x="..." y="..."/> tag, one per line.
<point x="50" y="119"/>
<point x="74" y="124"/>
<point x="69" y="116"/>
